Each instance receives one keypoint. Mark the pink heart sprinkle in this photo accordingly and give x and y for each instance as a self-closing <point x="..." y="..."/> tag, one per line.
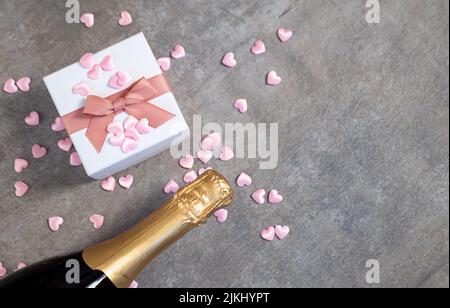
<point x="97" y="221"/>
<point x="244" y="180"/>
<point x="107" y="63"/>
<point x="134" y="285"/>
<point x="74" y="160"/>
<point x="275" y="197"/>
<point x="258" y="47"/>
<point x="109" y="184"/>
<point x="186" y="162"/>
<point x="10" y="86"/>
<point x="55" y="222"/>
<point x="126" y="181"/>
<point x="87" y="60"/>
<point x="171" y="187"/>
<point x="81" y="88"/>
<point x="20" y="266"/>
<point x="115" y="127"/>
<point x="65" y="144"/>
<point x="273" y="79"/>
<point x="58" y="125"/>
<point x="190" y="177"/>
<point x="284" y="34"/>
<point x="129" y="145"/>
<point x="117" y="139"/>
<point x="20" y="165"/>
<point x="268" y="234"/>
<point x="24" y="84"/>
<point x="130" y="122"/>
<point x="88" y="20"/>
<point x="204" y="156"/>
<point x="208" y="144"/>
<point x="203" y="170"/>
<point x="21" y="188"/>
<point x="38" y="151"/>
<point x="226" y="154"/>
<point x="178" y="52"/>
<point x="2" y="271"/>
<point x="124" y="78"/>
<point x="114" y="82"/>
<point x="216" y="137"/>
<point x="229" y="60"/>
<point x="164" y="63"/>
<point x="241" y="105"/>
<point x="125" y="19"/>
<point x="281" y="231"/>
<point x="221" y="215"/>
<point x="259" y="196"/>
<point x="95" y="72"/>
<point x="132" y="133"/>
<point x="32" y="119"/>
<point x="143" y="126"/>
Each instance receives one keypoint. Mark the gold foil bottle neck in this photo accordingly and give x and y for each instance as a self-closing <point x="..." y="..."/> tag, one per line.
<point x="204" y="196"/>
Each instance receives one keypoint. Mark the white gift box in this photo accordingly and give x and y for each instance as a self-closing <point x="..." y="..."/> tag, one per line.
<point x="135" y="57"/>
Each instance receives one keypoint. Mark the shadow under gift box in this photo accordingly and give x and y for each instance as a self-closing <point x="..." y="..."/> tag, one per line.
<point x="134" y="56"/>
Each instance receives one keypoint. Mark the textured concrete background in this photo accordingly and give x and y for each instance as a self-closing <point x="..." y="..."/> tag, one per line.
<point x="364" y="122"/>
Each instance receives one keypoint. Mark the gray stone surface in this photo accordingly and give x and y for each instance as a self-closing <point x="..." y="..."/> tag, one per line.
<point x="364" y="126"/>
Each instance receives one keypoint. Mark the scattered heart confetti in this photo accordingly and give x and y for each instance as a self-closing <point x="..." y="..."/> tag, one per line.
<point x="259" y="196"/>
<point x="81" y="88"/>
<point x="275" y="197"/>
<point x="126" y="181"/>
<point x="273" y="79"/>
<point x="87" y="60"/>
<point x="115" y="127"/>
<point x="10" y="86"/>
<point x="65" y="144"/>
<point x="125" y="19"/>
<point x="109" y="184"/>
<point x="229" y="60"/>
<point x="221" y="215"/>
<point x="226" y="154"/>
<point x="119" y="80"/>
<point x="20" y="266"/>
<point x="2" y="270"/>
<point x="129" y="145"/>
<point x="204" y="156"/>
<point x="55" y="223"/>
<point x="178" y="52"/>
<point x="268" y="234"/>
<point x="284" y="34"/>
<point x="134" y="285"/>
<point x="186" y="162"/>
<point x="171" y="187"/>
<point x="164" y="63"/>
<point x="88" y="20"/>
<point x="216" y="137"/>
<point x="21" y="188"/>
<point x="143" y="126"/>
<point x="38" y="151"/>
<point x="58" y="125"/>
<point x="20" y="165"/>
<point x="281" y="231"/>
<point x="75" y="160"/>
<point x="130" y="122"/>
<point x="117" y="139"/>
<point x="97" y="221"/>
<point x="258" y="47"/>
<point x="244" y="180"/>
<point x="208" y="144"/>
<point x="241" y="105"/>
<point x="95" y="72"/>
<point x="24" y="84"/>
<point x="203" y="170"/>
<point x="107" y="63"/>
<point x="190" y="177"/>
<point x="32" y="119"/>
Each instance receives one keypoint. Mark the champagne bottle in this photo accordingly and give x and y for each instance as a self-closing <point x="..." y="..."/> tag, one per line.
<point x="117" y="262"/>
